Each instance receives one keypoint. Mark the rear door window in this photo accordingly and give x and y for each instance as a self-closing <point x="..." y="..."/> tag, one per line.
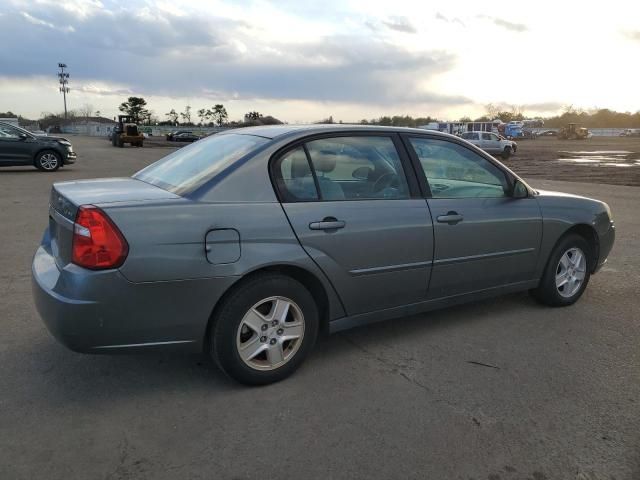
<point x="358" y="167"/>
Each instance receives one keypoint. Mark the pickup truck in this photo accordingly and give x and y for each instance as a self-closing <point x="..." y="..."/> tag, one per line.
<point x="492" y="143"/>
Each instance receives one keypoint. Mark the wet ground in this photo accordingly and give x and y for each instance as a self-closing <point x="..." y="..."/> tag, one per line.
<point x="612" y="160"/>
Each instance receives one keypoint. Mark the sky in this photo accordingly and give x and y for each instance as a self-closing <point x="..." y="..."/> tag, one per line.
<point x="303" y="61"/>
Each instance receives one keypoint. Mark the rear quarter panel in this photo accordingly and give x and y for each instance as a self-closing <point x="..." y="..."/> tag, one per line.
<point x="167" y="241"/>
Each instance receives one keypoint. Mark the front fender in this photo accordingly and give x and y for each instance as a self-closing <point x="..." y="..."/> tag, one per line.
<point x="563" y="212"/>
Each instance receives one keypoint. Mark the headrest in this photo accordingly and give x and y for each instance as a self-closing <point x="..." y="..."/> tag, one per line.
<point x="300" y="166"/>
<point x="324" y="162"/>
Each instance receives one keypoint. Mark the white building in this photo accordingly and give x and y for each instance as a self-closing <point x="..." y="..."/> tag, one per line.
<point x="93" y="126"/>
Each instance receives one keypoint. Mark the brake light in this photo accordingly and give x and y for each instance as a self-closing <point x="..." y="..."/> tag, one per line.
<point x="97" y="242"/>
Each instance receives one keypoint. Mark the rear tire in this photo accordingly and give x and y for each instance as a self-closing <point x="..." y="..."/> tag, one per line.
<point x="264" y="329"/>
<point x="48" y="161"/>
<point x="565" y="266"/>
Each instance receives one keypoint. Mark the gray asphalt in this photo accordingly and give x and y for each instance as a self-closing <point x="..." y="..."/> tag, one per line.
<point x="558" y="396"/>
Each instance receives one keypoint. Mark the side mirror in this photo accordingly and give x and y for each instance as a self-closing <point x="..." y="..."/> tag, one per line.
<point x="362" y="173"/>
<point x="519" y="190"/>
<point x="23" y="136"/>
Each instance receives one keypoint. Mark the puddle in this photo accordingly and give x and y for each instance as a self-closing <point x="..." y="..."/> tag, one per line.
<point x="605" y="158"/>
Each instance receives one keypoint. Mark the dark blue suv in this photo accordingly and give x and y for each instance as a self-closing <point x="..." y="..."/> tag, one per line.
<point x="20" y="147"/>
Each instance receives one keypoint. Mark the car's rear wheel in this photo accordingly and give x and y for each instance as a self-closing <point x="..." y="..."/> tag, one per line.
<point x="506" y="153"/>
<point x="48" y="161"/>
<point x="567" y="273"/>
<point x="264" y="330"/>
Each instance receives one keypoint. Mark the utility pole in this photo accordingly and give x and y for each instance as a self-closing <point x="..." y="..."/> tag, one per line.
<point x="63" y="80"/>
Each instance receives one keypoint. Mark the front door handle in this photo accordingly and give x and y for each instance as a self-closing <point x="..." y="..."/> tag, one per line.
<point x="327" y="223"/>
<point x="451" y="218"/>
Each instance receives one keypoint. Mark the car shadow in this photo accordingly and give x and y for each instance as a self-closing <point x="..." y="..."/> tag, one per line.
<point x="395" y="330"/>
<point x="62" y="377"/>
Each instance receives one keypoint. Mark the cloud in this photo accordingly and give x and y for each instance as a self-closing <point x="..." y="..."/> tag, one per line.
<point x="500" y="22"/>
<point x="542" y="107"/>
<point x="400" y="24"/>
<point x="156" y="52"/>
<point x="633" y="35"/>
<point x="440" y="16"/>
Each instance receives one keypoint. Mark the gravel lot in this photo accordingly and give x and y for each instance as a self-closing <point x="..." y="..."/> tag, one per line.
<point x="559" y="399"/>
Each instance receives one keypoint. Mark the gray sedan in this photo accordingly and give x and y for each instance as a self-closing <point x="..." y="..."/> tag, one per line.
<point x="249" y="243"/>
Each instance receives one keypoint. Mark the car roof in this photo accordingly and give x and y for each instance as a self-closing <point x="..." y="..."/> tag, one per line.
<point x="276" y="131"/>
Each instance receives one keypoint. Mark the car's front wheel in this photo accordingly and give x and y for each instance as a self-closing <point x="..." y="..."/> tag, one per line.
<point x="48" y="161"/>
<point x="264" y="329"/>
<point x="567" y="273"/>
<point x="506" y="153"/>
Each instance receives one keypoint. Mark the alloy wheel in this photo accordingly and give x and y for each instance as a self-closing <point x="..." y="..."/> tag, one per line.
<point x="48" y="161"/>
<point x="570" y="272"/>
<point x="270" y="333"/>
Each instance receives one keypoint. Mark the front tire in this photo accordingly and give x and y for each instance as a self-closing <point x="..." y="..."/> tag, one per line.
<point x="48" y="161"/>
<point x="264" y="329"/>
<point x="567" y="273"/>
<point x="506" y="153"/>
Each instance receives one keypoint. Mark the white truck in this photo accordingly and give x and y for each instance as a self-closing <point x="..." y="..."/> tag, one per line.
<point x="492" y="143"/>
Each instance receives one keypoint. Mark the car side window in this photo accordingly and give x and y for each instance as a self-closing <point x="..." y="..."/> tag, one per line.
<point x="357" y="168"/>
<point x="486" y="136"/>
<point x="294" y="179"/>
<point x="8" y="132"/>
<point x="494" y="137"/>
<point x="454" y="171"/>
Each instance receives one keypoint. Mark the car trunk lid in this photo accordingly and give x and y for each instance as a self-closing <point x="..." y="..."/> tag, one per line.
<point x="66" y="197"/>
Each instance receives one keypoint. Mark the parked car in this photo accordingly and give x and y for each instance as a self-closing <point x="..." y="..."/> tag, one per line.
<point x="186" y="137"/>
<point x="492" y="143"/>
<point x="21" y="147"/>
<point x="548" y="133"/>
<point x="171" y="136"/>
<point x="250" y="242"/>
<point x="631" y="132"/>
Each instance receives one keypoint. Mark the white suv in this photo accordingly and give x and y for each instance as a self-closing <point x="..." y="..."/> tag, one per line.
<point x="492" y="143"/>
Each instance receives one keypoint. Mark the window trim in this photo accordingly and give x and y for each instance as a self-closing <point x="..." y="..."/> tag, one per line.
<point x="405" y="162"/>
<point x="422" y="176"/>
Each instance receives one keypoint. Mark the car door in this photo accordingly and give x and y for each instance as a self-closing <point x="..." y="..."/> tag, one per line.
<point x="484" y="237"/>
<point x="349" y="202"/>
<point x="488" y="144"/>
<point x="14" y="148"/>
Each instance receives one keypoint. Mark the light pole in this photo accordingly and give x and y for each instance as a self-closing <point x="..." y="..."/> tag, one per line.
<point x="63" y="80"/>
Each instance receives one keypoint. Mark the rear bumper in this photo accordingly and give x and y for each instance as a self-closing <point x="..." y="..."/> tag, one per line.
<point x="102" y="312"/>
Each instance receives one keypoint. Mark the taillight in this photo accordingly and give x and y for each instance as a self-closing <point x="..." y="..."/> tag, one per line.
<point x="97" y="242"/>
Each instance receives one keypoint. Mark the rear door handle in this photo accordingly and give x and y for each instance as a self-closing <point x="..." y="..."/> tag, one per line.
<point x="451" y="218"/>
<point x="327" y="223"/>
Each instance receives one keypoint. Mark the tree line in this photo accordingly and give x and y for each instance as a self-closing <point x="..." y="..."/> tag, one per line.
<point x="217" y="116"/>
<point x="212" y="116"/>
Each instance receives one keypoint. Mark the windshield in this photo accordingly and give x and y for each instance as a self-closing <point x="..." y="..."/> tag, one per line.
<point x="188" y="168"/>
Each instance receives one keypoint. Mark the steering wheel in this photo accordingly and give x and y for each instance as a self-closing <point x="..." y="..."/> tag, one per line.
<point x="438" y="187"/>
<point x="385" y="180"/>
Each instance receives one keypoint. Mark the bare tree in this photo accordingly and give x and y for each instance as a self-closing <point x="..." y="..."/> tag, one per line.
<point x="186" y="115"/>
<point x="85" y="111"/>
<point x="202" y="114"/>
<point x="172" y="115"/>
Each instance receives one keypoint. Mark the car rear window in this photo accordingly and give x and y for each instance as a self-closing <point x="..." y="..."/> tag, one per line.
<point x="188" y="168"/>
